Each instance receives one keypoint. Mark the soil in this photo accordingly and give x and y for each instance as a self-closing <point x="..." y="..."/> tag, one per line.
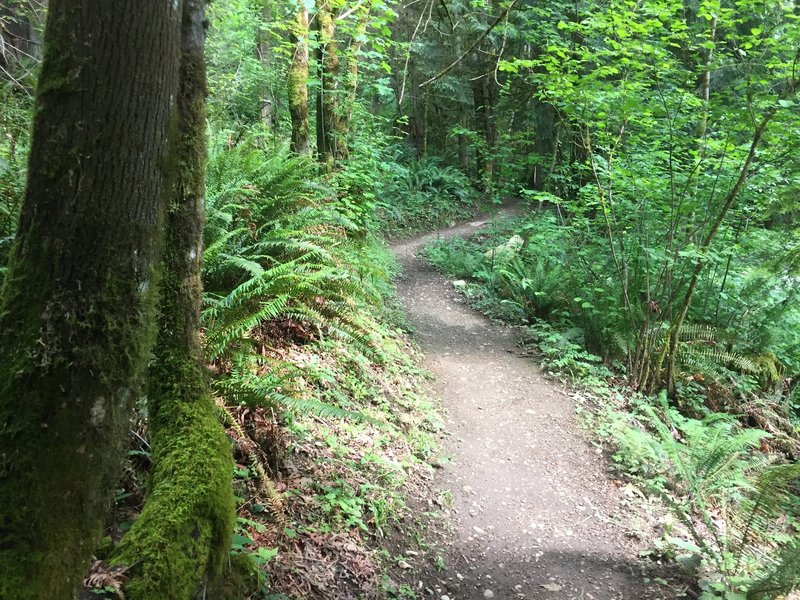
<point x="536" y="511"/>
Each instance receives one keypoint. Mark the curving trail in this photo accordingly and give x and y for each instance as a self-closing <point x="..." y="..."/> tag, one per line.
<point x="535" y="513"/>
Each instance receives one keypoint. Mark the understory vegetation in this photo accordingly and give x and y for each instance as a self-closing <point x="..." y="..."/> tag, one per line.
<point x="649" y="149"/>
<point x="317" y="383"/>
<point x="655" y="262"/>
<point x="720" y="454"/>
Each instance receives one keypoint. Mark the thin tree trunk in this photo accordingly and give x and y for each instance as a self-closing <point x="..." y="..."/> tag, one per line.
<point x="484" y="120"/>
<point x="20" y="43"/>
<point x="19" y="34"/>
<point x="298" y="84"/>
<point x="327" y="96"/>
<point x="265" y="56"/>
<point x="351" y="81"/>
<point x="702" y="126"/>
<point x="76" y="309"/>
<point x="463" y="142"/>
<point x="544" y="144"/>
<point x="184" y="531"/>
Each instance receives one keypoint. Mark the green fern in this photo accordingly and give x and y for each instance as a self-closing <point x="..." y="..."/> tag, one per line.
<point x="258" y="382"/>
<point x="699" y="351"/>
<point x="773" y="497"/>
<point x="729" y="498"/>
<point x="277" y="252"/>
<point x="783" y="578"/>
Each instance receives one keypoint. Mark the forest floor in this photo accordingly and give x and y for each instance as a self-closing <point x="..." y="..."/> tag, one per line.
<point x="536" y="511"/>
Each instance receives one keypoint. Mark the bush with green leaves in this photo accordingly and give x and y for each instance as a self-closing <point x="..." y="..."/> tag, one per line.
<point x="736" y="508"/>
<point x="543" y="267"/>
<point x="280" y="264"/>
<point x="418" y="194"/>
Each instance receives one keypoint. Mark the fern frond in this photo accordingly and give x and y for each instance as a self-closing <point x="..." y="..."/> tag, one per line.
<point x="783" y="578"/>
<point x="693" y="355"/>
<point x="773" y="492"/>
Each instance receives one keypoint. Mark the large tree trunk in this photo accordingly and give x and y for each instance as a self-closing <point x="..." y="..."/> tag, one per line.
<point x="298" y="84"/>
<point x="327" y="97"/>
<point x="184" y="531"/>
<point x="76" y="309"/>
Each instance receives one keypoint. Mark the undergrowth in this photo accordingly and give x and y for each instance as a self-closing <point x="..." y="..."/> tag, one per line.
<point x="717" y="458"/>
<point x="318" y="387"/>
<point x="414" y="195"/>
<point x="311" y="359"/>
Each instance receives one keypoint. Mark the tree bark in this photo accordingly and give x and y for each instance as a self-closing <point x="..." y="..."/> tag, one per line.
<point x="265" y="56"/>
<point x="298" y="84"/>
<point x="351" y="81"/>
<point x="327" y="96"/>
<point x="484" y="94"/>
<point x="76" y="308"/>
<point x="184" y="531"/>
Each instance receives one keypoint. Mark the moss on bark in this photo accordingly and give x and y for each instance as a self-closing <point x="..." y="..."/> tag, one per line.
<point x="298" y="84"/>
<point x="328" y="122"/>
<point x="183" y="534"/>
<point x="76" y="309"/>
<point x="351" y="81"/>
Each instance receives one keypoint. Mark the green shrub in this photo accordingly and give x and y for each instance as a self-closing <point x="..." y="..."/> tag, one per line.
<point x="422" y="193"/>
<point x="281" y="268"/>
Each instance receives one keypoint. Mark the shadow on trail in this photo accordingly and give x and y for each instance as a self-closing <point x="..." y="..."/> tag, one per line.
<point x="535" y="511"/>
<point x="550" y="575"/>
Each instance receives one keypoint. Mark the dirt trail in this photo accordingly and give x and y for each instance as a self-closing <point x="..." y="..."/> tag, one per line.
<point x="536" y="515"/>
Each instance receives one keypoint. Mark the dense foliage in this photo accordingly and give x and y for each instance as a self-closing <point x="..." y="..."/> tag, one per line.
<point x="649" y="146"/>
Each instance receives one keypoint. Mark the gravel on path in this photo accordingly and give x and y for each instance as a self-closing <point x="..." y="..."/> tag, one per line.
<point x="536" y="514"/>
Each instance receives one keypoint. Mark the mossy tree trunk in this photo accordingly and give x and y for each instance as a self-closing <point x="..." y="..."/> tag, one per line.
<point x="183" y="534"/>
<point x="268" y="108"/>
<point x="328" y="122"/>
<point x="298" y="83"/>
<point x="351" y="80"/>
<point x="76" y="308"/>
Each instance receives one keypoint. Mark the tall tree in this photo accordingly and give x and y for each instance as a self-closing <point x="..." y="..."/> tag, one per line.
<point x="328" y="122"/>
<point x="484" y="94"/>
<point x="351" y="75"/>
<point x="184" y="531"/>
<point x="298" y="83"/>
<point x="77" y="306"/>
<point x="265" y="56"/>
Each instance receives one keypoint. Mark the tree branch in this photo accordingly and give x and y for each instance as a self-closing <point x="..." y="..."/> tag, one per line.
<point x="472" y="47"/>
